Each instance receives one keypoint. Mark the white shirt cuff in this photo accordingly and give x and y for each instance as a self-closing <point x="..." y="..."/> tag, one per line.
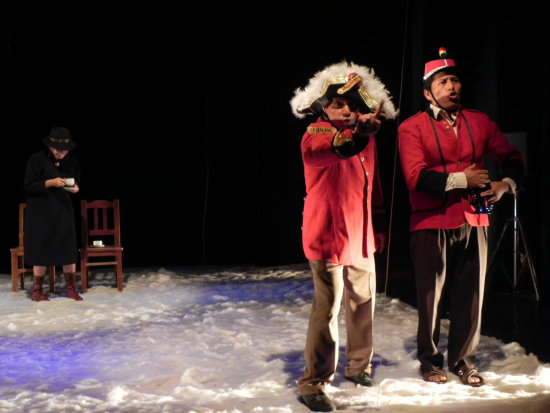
<point x="456" y="180"/>
<point x="512" y="183"/>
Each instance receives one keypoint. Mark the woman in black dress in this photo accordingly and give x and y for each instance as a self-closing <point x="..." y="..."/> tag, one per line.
<point x="51" y="176"/>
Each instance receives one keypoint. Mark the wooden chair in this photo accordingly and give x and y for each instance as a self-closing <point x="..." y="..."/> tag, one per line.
<point x="18" y="268"/>
<point x="100" y="222"/>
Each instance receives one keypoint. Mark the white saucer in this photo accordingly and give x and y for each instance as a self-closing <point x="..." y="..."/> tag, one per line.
<point x="68" y="188"/>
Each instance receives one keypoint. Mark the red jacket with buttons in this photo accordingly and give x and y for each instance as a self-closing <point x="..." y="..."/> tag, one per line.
<point x="337" y="219"/>
<point x="429" y="151"/>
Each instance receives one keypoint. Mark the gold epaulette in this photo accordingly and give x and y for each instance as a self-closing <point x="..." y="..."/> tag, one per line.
<point x="320" y="129"/>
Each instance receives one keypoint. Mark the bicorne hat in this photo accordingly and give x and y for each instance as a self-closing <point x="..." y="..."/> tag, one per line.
<point x="347" y="80"/>
<point x="59" y="138"/>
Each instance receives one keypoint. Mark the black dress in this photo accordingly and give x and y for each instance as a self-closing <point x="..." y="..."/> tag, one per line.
<point x="50" y="233"/>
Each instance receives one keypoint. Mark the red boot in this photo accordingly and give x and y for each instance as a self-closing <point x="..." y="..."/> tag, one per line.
<point x="71" y="292"/>
<point x="37" y="294"/>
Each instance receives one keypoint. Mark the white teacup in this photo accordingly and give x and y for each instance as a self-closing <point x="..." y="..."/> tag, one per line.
<point x="69" y="181"/>
<point x="97" y="243"/>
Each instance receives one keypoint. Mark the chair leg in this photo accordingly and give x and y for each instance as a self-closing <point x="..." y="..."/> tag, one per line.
<point x="83" y="278"/>
<point x="51" y="276"/>
<point x="119" y="276"/>
<point x="14" y="272"/>
<point x="21" y="271"/>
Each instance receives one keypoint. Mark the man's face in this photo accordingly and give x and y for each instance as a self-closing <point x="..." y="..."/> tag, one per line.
<point x="341" y="112"/>
<point x="445" y="91"/>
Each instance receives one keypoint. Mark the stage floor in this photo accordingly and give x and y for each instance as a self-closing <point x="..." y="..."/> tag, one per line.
<point x="231" y="339"/>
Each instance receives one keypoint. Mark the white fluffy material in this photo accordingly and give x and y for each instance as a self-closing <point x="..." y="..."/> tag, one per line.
<point x="375" y="88"/>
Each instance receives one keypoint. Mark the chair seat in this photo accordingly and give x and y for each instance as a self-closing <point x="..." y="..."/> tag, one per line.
<point x="106" y="248"/>
<point x="18" y="250"/>
<point x="106" y="251"/>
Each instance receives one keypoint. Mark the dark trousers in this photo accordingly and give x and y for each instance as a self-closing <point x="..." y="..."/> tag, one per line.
<point x="451" y="262"/>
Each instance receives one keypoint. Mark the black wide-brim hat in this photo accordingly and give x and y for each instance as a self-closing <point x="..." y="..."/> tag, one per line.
<point x="59" y="138"/>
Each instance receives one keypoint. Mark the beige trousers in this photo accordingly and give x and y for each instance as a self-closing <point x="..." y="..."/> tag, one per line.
<point x="356" y="286"/>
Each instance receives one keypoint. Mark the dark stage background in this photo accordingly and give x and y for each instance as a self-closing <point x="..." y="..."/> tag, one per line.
<point x="185" y="116"/>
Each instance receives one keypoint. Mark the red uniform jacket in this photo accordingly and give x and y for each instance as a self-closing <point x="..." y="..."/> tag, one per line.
<point x="429" y="153"/>
<point x="337" y="219"/>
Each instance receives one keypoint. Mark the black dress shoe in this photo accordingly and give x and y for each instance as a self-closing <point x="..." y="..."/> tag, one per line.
<point x="318" y="402"/>
<point x="362" y="379"/>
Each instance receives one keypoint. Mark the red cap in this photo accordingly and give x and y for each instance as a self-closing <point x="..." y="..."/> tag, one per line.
<point x="435" y="66"/>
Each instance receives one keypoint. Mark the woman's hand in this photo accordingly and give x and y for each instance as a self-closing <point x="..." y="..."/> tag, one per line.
<point x="55" y="182"/>
<point x="73" y="189"/>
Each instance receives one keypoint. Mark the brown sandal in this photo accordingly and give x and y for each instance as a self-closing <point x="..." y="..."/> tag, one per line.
<point x="464" y="373"/>
<point x="432" y="372"/>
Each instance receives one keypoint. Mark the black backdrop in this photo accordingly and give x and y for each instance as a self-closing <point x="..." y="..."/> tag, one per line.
<point x="185" y="115"/>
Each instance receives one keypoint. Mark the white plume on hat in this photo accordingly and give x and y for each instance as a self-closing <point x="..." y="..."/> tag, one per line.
<point x="333" y="74"/>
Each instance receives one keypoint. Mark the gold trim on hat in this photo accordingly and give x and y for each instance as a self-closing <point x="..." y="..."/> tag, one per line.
<point x="369" y="101"/>
<point x="342" y="78"/>
<point x="355" y="79"/>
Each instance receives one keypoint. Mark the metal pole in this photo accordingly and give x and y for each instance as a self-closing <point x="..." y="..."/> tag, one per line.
<point x="518" y="231"/>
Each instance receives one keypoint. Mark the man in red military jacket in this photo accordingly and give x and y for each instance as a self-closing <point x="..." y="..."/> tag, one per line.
<point x="341" y="177"/>
<point x="442" y="152"/>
